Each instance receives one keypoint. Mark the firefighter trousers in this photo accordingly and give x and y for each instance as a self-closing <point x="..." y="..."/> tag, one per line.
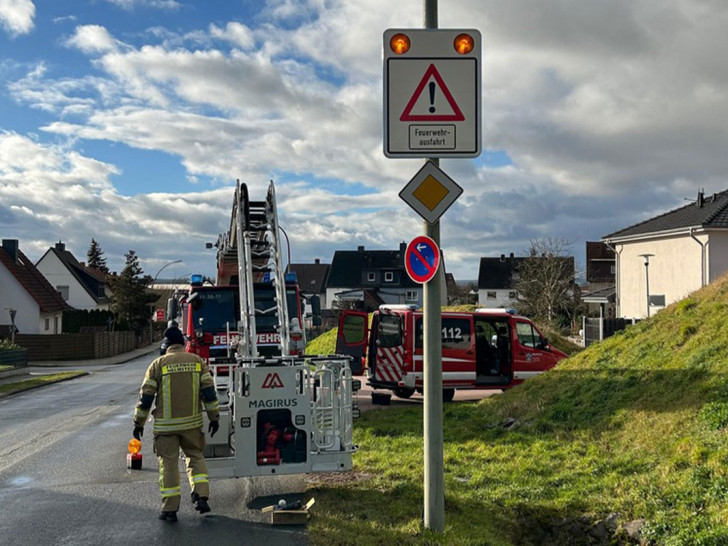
<point x="167" y="446"/>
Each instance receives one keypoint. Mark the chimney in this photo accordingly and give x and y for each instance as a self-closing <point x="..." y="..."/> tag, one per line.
<point x="317" y="261"/>
<point x="511" y="255"/>
<point x="701" y="199"/>
<point x="503" y="258"/>
<point x="11" y="247"/>
<point x="403" y="247"/>
<point x="60" y="246"/>
<point x="360" y="248"/>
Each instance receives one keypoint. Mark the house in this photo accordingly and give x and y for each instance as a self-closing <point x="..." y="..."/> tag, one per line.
<point x="311" y="279"/>
<point x="369" y="278"/>
<point x="599" y="292"/>
<point x="496" y="281"/>
<point x="80" y="286"/>
<point x="38" y="306"/>
<point x="665" y="258"/>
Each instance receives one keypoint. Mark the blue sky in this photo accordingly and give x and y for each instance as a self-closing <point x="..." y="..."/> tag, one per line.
<point x="129" y="121"/>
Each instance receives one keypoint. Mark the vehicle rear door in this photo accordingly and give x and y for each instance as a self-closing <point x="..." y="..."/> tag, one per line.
<point x="351" y="338"/>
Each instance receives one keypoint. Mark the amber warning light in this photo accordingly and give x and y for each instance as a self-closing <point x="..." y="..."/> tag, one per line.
<point x="399" y="43"/>
<point x="134" y="457"/>
<point x="463" y="44"/>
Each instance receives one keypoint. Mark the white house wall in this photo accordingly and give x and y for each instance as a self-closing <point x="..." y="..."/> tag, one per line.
<point x="717" y="255"/>
<point x="55" y="271"/>
<point x="14" y="296"/>
<point x="674" y="271"/>
<point x="501" y="299"/>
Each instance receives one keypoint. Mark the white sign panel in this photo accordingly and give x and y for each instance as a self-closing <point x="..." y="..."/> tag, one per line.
<point x="431" y="93"/>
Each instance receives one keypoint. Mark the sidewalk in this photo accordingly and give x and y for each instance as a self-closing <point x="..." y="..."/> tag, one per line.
<point x="116" y="359"/>
<point x="47" y="366"/>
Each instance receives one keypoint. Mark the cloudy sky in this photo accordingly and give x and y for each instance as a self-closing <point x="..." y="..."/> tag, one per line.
<point x="129" y="121"/>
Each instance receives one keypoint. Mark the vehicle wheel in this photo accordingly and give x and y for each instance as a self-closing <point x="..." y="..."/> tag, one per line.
<point x="404" y="392"/>
<point x="448" y="395"/>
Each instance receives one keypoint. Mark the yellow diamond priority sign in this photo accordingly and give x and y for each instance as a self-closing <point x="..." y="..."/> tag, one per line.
<point x="430" y="192"/>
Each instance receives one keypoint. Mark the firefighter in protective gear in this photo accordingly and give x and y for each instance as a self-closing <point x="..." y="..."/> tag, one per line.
<point x="179" y="384"/>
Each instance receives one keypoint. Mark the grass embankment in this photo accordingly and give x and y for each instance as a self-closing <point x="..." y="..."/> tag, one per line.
<point x="629" y="434"/>
<point x="38" y="381"/>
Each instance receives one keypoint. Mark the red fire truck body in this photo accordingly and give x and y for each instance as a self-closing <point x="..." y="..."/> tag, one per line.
<point x="487" y="349"/>
<point x="210" y="318"/>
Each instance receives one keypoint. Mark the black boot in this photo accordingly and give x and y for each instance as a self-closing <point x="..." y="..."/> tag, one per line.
<point x="200" y="503"/>
<point x="168" y="516"/>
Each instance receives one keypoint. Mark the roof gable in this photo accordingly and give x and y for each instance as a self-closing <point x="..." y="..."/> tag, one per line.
<point x="497" y="273"/>
<point x="87" y="278"/>
<point x="348" y="265"/>
<point x="311" y="277"/>
<point x="710" y="212"/>
<point x="48" y="298"/>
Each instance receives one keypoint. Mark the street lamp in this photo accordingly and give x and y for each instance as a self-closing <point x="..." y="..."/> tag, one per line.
<point x="151" y="322"/>
<point x="161" y="268"/>
<point x="647" y="279"/>
<point x="288" y="247"/>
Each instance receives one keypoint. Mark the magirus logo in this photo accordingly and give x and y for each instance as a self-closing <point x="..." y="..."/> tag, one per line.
<point x="272" y="381"/>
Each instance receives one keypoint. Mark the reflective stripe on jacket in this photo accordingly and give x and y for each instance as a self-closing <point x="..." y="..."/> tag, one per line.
<point x="177" y="381"/>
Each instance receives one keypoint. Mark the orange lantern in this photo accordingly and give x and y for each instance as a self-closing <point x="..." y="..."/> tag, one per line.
<point x="134" y="457"/>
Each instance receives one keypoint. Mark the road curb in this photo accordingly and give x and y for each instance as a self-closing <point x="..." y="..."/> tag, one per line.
<point x="31" y="387"/>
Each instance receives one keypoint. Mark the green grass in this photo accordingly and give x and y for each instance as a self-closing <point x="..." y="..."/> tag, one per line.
<point x="325" y="344"/>
<point x="633" y="426"/>
<point x="4" y="367"/>
<point x="39" y="381"/>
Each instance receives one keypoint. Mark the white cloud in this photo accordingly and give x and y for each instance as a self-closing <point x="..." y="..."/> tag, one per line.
<point x="16" y="16"/>
<point x="92" y="39"/>
<point x="235" y="32"/>
<point x="610" y="111"/>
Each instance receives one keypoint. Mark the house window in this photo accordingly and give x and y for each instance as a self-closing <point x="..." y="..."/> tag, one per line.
<point x="47" y="324"/>
<point x="490" y="294"/>
<point x="371" y="277"/>
<point x="411" y="295"/>
<point x="513" y="295"/>
<point x="64" y="292"/>
<point x="388" y="276"/>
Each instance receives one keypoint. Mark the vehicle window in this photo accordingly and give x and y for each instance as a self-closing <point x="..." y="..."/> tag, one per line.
<point x="353" y="329"/>
<point x="390" y="334"/>
<point x="456" y="333"/>
<point x="526" y="335"/>
<point x="292" y="303"/>
<point x="216" y="308"/>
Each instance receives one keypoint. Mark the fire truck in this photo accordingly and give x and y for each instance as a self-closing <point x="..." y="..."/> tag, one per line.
<point x="281" y="412"/>
<point x="485" y="349"/>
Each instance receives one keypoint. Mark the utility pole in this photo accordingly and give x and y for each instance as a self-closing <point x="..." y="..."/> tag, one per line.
<point x="434" y="517"/>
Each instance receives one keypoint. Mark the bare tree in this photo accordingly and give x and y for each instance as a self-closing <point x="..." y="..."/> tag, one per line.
<point x="546" y="284"/>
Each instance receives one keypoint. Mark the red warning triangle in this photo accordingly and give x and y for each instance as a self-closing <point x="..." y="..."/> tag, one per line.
<point x="457" y="114"/>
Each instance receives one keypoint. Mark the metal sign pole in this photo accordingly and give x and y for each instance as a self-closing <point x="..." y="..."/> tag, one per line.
<point x="434" y="512"/>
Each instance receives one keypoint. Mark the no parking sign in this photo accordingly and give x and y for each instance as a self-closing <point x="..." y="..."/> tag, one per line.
<point x="422" y="259"/>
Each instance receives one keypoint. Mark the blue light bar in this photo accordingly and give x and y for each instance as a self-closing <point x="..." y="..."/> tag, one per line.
<point x="196" y="280"/>
<point x="291" y="277"/>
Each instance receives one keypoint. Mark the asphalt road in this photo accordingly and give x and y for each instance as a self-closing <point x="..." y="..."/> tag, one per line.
<point x="364" y="397"/>
<point x="64" y="481"/>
